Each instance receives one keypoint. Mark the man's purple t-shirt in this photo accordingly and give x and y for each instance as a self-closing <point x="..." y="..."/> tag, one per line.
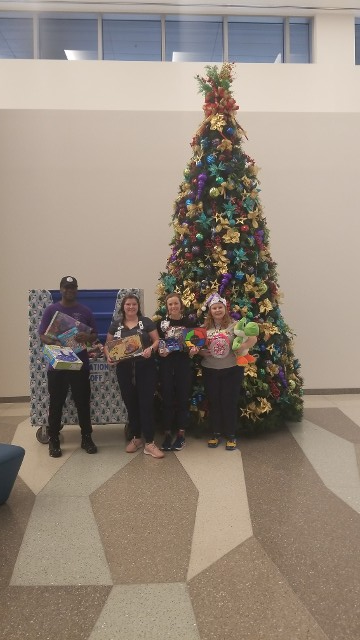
<point x="78" y="312"/>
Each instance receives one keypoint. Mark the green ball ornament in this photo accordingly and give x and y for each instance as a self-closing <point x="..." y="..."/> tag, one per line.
<point x="219" y="180"/>
<point x="199" y="237"/>
<point x="163" y="309"/>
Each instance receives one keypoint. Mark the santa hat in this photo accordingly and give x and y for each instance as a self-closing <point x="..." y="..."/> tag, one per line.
<point x="214" y="298"/>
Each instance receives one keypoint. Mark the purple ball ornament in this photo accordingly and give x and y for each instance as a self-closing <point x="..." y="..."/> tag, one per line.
<point x="192" y="317"/>
<point x="230" y="131"/>
<point x="235" y="315"/>
<point x="195" y="250"/>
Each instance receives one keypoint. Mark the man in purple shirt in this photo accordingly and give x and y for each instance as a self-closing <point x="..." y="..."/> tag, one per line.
<point x="59" y="382"/>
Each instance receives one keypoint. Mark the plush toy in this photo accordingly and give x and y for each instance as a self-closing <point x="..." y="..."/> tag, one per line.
<point x="245" y="331"/>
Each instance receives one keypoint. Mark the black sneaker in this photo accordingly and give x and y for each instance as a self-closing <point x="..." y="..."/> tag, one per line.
<point x="54" y="448"/>
<point x="167" y="444"/>
<point x="88" y="444"/>
<point x="179" y="442"/>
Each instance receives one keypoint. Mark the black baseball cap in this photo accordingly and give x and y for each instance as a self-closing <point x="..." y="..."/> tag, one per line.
<point x="68" y="281"/>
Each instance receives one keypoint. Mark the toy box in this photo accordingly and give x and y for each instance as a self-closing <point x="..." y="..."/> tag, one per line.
<point x="122" y="348"/>
<point x="62" y="358"/>
<point x="64" y="328"/>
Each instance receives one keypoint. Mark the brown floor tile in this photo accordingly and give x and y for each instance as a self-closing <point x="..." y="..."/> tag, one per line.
<point x="57" y="613"/>
<point x="145" y="514"/>
<point x="7" y="429"/>
<point x="14" y="516"/>
<point x="309" y="534"/>
<point x="335" y="421"/>
<point x="243" y="596"/>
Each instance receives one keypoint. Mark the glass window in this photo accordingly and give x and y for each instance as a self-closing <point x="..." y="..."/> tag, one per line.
<point x="16" y="38"/>
<point x="300" y="40"/>
<point x="357" y="41"/>
<point x="194" y="39"/>
<point x="68" y="38"/>
<point x="130" y="37"/>
<point x="256" y="39"/>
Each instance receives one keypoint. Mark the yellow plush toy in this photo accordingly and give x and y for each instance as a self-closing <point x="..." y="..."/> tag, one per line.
<point x="245" y="331"/>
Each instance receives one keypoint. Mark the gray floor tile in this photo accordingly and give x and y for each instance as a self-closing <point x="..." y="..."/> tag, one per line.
<point x="333" y="458"/>
<point x="148" y="612"/>
<point x="61" y="545"/>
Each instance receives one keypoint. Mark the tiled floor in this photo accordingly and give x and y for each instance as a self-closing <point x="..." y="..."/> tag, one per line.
<point x="257" y="544"/>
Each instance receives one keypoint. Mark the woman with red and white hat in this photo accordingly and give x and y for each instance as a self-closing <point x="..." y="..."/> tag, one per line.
<point x="222" y="377"/>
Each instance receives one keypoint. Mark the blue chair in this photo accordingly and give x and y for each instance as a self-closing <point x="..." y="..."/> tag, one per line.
<point x="11" y="457"/>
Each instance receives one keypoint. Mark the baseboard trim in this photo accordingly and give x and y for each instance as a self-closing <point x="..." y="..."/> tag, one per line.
<point x="307" y="392"/>
<point x="15" y="399"/>
<point x="329" y="392"/>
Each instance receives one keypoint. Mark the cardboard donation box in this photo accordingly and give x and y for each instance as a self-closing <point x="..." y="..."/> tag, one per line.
<point x="122" y="348"/>
<point x="62" y="358"/>
<point x="64" y="328"/>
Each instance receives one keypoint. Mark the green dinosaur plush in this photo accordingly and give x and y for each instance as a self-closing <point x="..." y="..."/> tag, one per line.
<point x="245" y="331"/>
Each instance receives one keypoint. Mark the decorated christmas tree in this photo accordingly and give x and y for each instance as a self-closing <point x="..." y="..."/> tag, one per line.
<point x="221" y="244"/>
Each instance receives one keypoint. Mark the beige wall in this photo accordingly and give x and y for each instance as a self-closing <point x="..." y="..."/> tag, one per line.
<point x="92" y="154"/>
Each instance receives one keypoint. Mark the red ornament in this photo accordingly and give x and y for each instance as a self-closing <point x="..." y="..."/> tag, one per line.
<point x="244" y="228"/>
